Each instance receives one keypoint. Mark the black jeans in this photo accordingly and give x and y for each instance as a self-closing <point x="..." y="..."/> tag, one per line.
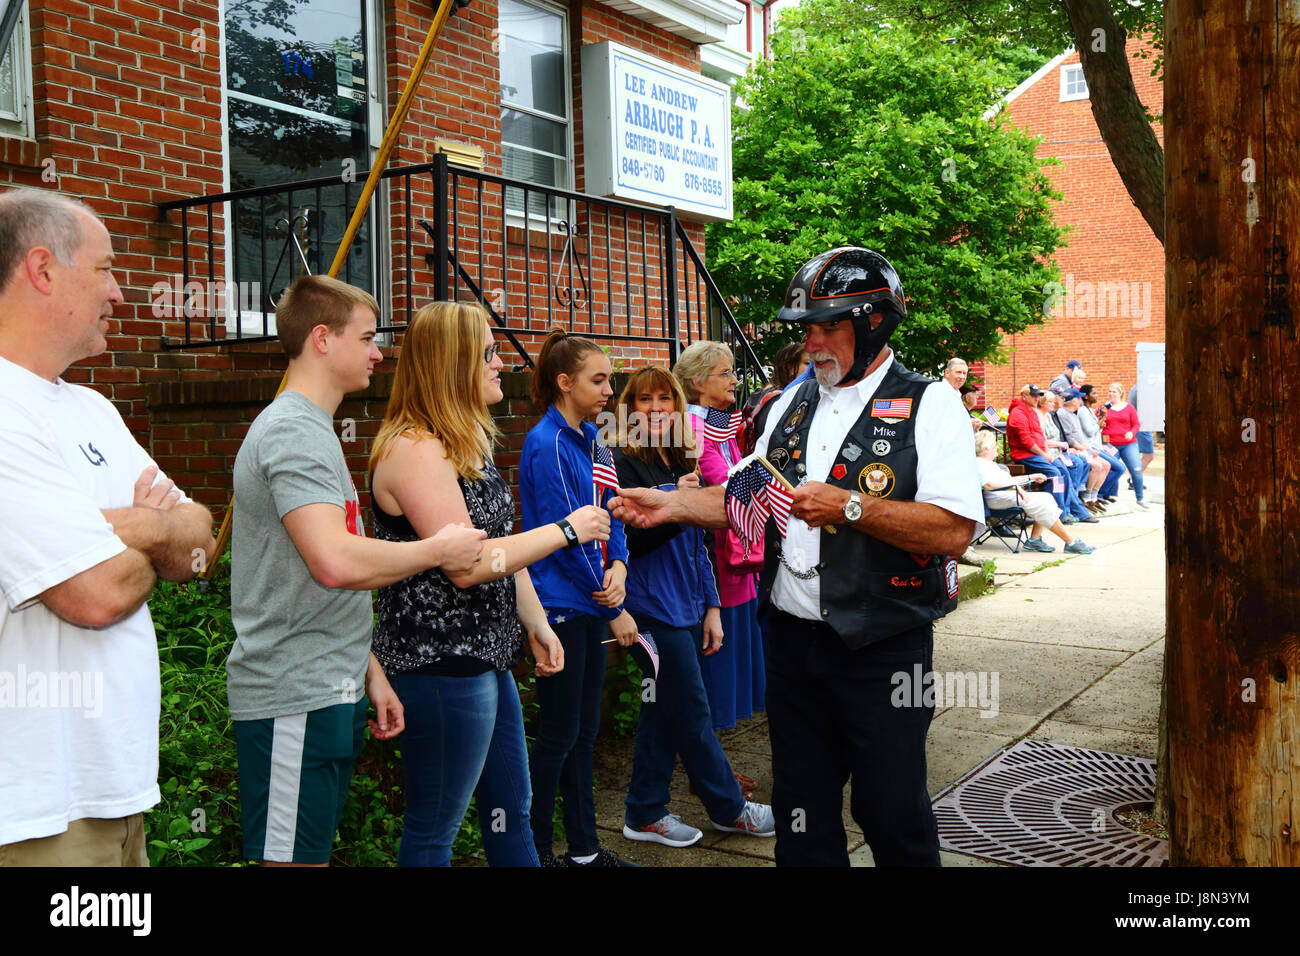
<point x="567" y="722"/>
<point x="831" y="719"/>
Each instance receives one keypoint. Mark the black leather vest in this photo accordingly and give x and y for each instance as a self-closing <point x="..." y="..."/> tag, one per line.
<point x="870" y="590"/>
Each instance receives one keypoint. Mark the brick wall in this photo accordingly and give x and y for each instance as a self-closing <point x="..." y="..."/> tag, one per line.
<point x="128" y="107"/>
<point x="1109" y="244"/>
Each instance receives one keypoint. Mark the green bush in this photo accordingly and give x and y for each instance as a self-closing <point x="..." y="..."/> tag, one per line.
<point x="197" y="821"/>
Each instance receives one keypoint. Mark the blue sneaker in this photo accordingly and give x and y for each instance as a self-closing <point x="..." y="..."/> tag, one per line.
<point x="1037" y="544"/>
<point x="668" y="830"/>
<point x="1078" y="547"/>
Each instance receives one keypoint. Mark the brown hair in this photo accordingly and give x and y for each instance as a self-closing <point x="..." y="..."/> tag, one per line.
<point x="680" y="454"/>
<point x="785" y="364"/>
<point x="438" y="387"/>
<point x="561" y="354"/>
<point x="313" y="301"/>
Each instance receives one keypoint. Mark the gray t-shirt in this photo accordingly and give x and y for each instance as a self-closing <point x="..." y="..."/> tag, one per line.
<point x="299" y="646"/>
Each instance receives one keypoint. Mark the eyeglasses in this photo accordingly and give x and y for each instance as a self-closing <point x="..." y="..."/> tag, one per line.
<point x="491" y="352"/>
<point x="729" y="373"/>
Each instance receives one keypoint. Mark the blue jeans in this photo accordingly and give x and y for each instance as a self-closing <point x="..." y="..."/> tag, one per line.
<point x="677" y="721"/>
<point x="1078" y="475"/>
<point x="1110" y="486"/>
<point x="464" y="736"/>
<point x="1036" y="464"/>
<point x="567" y="724"/>
<point x="1129" y="454"/>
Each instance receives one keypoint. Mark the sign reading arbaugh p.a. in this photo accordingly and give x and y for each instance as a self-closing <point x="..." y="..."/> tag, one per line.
<point x="669" y="132"/>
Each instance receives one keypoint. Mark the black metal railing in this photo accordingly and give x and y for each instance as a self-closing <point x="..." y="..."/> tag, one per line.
<point x="535" y="256"/>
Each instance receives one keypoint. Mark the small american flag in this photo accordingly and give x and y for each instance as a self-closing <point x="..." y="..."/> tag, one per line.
<point x="602" y="469"/>
<point x="752" y="494"/>
<point x="891" y="407"/>
<point x="719" y="426"/>
<point x="603" y="476"/>
<point x="1058" y="485"/>
<point x="648" y="645"/>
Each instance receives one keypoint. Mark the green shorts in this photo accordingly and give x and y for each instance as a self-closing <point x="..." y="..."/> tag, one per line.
<point x="294" y="773"/>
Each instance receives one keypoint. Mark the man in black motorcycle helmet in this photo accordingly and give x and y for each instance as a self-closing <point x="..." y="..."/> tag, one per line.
<point x="884" y="469"/>
<point x="883" y="465"/>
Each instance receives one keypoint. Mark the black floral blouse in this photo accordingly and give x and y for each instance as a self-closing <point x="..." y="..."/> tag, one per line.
<point x="426" y="618"/>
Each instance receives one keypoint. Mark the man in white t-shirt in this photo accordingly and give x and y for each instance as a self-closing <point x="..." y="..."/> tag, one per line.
<point x="90" y="524"/>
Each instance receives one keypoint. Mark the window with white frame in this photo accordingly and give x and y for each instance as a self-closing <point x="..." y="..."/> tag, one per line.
<point x="536" y="102"/>
<point x="1073" y="85"/>
<point x="16" y="82"/>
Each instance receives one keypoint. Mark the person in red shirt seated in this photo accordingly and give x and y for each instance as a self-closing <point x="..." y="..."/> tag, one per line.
<point x="1120" y="429"/>
<point x="1028" y="447"/>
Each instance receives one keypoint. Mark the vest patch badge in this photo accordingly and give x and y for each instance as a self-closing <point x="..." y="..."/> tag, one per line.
<point x="852" y="451"/>
<point x="950" y="577"/>
<point x="891" y="409"/>
<point x="839" y="471"/>
<point x="877" y="480"/>
<point x="880" y="447"/>
<point x="778" y="458"/>
<point x="796" y="419"/>
<point x="882" y="430"/>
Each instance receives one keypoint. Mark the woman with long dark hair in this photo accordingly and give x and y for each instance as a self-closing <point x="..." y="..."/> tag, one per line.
<point x="448" y="641"/>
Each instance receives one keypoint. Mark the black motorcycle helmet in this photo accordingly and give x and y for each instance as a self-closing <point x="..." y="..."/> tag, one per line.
<point x="854" y="283"/>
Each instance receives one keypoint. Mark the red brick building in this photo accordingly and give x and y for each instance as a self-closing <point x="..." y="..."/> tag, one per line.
<point x="181" y="123"/>
<point x="1112" y="294"/>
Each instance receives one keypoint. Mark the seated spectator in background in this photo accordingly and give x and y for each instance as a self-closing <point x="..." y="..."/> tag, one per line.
<point x="1120" y="429"/>
<point x="789" y="364"/>
<point x="1039" y="505"/>
<point x="1028" y="444"/>
<point x="1091" y="424"/>
<point x="1075" y="468"/>
<point x="1146" y="442"/>
<point x="1072" y="432"/>
<point x="1065" y="380"/>
<point x="955" y="372"/>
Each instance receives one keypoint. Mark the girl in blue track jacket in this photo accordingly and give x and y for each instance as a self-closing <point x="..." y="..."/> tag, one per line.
<point x="581" y="587"/>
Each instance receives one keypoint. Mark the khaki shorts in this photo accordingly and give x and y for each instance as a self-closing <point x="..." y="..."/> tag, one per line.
<point x="86" y="842"/>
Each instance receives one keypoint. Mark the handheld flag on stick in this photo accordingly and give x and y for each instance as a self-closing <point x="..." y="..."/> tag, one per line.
<point x="648" y="645"/>
<point x="603" y="476"/>
<point x="756" y="490"/>
<point x="719" y="426"/>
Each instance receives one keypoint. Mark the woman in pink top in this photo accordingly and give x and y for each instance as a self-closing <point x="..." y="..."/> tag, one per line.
<point x="1120" y="429"/>
<point x="734" y="672"/>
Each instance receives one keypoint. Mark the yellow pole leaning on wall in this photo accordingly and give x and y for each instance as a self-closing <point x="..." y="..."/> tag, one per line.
<point x="363" y="204"/>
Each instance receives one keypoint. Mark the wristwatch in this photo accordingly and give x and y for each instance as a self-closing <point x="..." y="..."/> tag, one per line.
<point x="853" y="508"/>
<point x="570" y="536"/>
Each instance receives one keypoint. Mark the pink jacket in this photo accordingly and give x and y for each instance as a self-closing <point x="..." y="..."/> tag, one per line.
<point x="733" y="589"/>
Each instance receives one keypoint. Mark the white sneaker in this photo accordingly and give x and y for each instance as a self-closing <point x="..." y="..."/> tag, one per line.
<point x="668" y="830"/>
<point x="755" y="820"/>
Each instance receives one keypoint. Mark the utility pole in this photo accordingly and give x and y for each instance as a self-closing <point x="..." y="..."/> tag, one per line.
<point x="1232" y="188"/>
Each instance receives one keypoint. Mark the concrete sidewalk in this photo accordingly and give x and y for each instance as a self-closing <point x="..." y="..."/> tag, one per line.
<point x="1076" y="642"/>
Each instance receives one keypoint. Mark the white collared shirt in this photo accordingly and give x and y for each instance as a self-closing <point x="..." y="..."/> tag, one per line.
<point x="946" y="475"/>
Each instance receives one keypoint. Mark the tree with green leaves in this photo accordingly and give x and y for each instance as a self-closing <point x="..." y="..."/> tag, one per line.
<point x="867" y="137"/>
<point x="1098" y="29"/>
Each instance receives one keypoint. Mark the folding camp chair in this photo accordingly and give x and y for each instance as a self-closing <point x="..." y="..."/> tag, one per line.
<point x="1004" y="523"/>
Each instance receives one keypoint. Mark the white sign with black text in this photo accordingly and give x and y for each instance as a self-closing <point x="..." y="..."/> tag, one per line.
<point x="656" y="133"/>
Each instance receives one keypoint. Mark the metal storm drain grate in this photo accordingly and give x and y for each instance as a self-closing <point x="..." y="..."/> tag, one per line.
<point x="1041" y="804"/>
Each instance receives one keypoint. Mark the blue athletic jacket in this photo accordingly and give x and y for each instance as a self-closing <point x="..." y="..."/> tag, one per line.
<point x="555" y="480"/>
<point x="670" y="577"/>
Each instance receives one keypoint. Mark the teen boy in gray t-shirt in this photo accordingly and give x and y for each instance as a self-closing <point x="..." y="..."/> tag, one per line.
<point x="301" y="572"/>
